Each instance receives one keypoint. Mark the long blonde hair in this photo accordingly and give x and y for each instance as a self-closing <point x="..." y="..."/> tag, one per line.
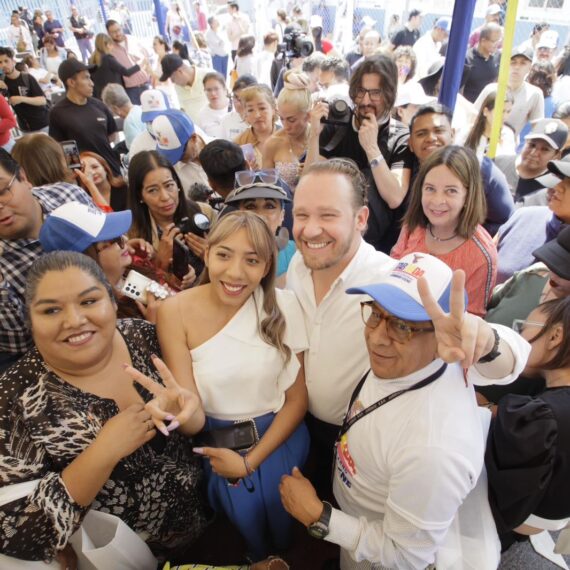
<point x="272" y="327"/>
<point x="102" y="41"/>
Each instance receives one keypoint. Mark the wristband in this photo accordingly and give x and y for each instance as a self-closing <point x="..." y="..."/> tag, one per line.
<point x="494" y="352"/>
<point x="248" y="468"/>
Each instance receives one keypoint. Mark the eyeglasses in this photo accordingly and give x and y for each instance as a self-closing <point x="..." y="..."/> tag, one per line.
<point x="121" y="241"/>
<point x="396" y="329"/>
<point x="519" y="324"/>
<point x="248" y="177"/>
<point x="6" y="194"/>
<point x="374" y="94"/>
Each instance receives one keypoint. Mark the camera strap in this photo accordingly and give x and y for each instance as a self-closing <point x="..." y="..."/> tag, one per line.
<point x="348" y="423"/>
<point x="339" y="134"/>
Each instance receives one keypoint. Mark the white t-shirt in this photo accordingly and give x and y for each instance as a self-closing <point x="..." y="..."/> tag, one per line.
<point x="427" y="52"/>
<point x="190" y="173"/>
<point x="143" y="141"/>
<point x="239" y="375"/>
<point x="408" y="476"/>
<point x="337" y="356"/>
<point x="232" y="126"/>
<point x="210" y="121"/>
<point x="263" y="63"/>
<point x="528" y="104"/>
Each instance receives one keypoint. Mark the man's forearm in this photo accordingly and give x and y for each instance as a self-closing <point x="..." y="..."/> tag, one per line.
<point x="389" y="187"/>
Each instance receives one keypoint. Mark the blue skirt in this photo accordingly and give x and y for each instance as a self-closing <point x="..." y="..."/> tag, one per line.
<point x="259" y="514"/>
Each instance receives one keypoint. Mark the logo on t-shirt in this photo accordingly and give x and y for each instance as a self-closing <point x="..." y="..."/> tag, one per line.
<point x="345" y="466"/>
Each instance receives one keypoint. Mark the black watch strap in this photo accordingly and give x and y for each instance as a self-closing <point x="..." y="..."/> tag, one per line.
<point x="494" y="353"/>
<point x="320" y="528"/>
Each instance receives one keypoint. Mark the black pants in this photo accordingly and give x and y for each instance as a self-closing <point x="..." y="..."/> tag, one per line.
<point x="321" y="455"/>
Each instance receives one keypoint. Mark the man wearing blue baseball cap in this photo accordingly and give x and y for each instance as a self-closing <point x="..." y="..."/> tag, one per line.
<point x="427" y="48"/>
<point x="153" y="103"/>
<point x="178" y="141"/>
<point x="408" y="473"/>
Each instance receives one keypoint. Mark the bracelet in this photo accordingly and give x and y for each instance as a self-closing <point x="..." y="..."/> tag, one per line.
<point x="489" y="406"/>
<point x="248" y="468"/>
<point x="494" y="352"/>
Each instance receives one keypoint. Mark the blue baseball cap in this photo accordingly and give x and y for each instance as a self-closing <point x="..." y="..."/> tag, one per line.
<point x="153" y="103"/>
<point x="75" y="227"/>
<point x="398" y="291"/>
<point x="443" y="24"/>
<point x="172" y="130"/>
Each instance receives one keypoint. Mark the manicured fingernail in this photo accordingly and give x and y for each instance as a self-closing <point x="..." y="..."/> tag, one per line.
<point x="173" y="425"/>
<point x="125" y="365"/>
<point x="153" y="355"/>
<point x="198" y="450"/>
<point x="169" y="417"/>
<point x="164" y="431"/>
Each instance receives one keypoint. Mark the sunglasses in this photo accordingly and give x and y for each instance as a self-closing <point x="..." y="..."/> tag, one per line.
<point x="121" y="241"/>
<point x="248" y="177"/>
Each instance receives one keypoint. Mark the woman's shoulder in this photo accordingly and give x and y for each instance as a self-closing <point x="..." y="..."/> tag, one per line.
<point x="136" y="331"/>
<point x="482" y="236"/>
<point x="20" y="375"/>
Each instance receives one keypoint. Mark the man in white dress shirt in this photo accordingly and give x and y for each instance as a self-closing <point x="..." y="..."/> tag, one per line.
<point x="329" y="217"/>
<point x="408" y="474"/>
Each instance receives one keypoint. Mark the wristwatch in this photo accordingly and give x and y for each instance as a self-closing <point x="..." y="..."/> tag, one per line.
<point x="320" y="528"/>
<point x="376" y="161"/>
<point x="494" y="353"/>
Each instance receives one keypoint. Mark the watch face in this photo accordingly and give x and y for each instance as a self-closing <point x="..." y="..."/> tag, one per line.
<point x="318" y="530"/>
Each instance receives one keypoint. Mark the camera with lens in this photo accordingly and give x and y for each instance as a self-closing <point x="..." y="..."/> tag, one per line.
<point x="201" y="193"/>
<point x="295" y="44"/>
<point x="198" y="224"/>
<point x="340" y="113"/>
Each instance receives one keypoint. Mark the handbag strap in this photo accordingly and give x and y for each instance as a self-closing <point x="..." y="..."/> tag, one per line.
<point x="348" y="423"/>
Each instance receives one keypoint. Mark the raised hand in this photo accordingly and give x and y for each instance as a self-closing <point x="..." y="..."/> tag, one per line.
<point x="461" y="337"/>
<point x="171" y="402"/>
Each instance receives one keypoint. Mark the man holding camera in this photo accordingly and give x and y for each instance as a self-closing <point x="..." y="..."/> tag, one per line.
<point x="377" y="143"/>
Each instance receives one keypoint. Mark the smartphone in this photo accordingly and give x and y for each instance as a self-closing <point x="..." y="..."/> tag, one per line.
<point x="238" y="436"/>
<point x="248" y="152"/>
<point x="71" y="151"/>
<point x="180" y="258"/>
<point x="135" y="286"/>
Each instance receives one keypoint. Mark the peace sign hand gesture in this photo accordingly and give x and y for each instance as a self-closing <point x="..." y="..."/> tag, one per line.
<point x="171" y="402"/>
<point x="461" y="337"/>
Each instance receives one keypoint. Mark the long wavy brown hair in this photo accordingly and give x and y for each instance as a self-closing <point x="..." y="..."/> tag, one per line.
<point x="272" y="326"/>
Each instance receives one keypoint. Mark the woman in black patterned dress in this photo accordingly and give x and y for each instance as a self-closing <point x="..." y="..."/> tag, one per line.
<point x="73" y="421"/>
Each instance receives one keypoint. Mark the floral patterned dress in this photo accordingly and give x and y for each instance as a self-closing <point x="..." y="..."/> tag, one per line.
<point x="45" y="423"/>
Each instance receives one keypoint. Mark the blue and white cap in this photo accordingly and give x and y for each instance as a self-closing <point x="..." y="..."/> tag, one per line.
<point x="153" y="103"/>
<point x="172" y="130"/>
<point x="398" y="291"/>
<point x="75" y="226"/>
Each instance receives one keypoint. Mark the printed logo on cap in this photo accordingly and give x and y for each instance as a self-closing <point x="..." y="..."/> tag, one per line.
<point x="153" y="100"/>
<point x="550" y="128"/>
<point x="165" y="134"/>
<point x="89" y="218"/>
<point x="411" y="267"/>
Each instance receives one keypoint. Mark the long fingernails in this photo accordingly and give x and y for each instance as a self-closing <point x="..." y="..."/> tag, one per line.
<point x="172" y="426"/>
<point x="164" y="431"/>
<point x="169" y="418"/>
<point x="198" y="450"/>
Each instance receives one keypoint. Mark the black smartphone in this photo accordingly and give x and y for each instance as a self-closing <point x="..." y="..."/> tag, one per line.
<point x="71" y="152"/>
<point x="180" y="258"/>
<point x="239" y="436"/>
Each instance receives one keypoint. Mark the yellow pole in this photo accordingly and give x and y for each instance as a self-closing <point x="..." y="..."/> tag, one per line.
<point x="503" y="79"/>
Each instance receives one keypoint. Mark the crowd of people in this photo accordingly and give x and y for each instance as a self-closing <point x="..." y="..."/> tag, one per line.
<point x="228" y="271"/>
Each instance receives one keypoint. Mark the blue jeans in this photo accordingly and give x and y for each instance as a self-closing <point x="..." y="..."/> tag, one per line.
<point x="220" y="64"/>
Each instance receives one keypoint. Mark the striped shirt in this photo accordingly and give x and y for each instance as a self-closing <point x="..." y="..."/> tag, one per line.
<point x="16" y="258"/>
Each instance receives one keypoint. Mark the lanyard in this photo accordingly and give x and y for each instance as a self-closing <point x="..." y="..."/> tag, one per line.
<point x="348" y="423"/>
